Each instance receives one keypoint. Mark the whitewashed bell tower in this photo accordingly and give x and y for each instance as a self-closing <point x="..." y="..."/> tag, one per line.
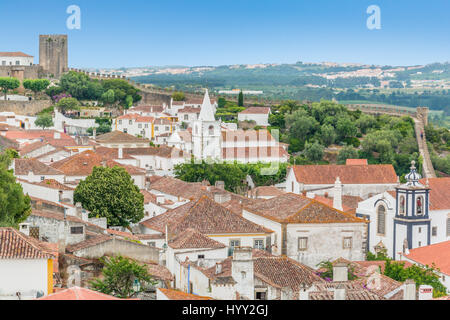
<point x="206" y="133"/>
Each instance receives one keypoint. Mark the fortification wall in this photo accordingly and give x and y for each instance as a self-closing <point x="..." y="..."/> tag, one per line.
<point x="26" y="108"/>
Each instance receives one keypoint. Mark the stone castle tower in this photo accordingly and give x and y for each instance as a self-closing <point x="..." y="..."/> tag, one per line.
<point x="53" y="56"/>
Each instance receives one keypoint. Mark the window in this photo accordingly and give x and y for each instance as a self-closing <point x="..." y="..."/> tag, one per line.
<point x="211" y="130"/>
<point x="156" y="128"/>
<point x="434" y="231"/>
<point x="186" y="117"/>
<point x="120" y="121"/>
<point x="420" y="244"/>
<point x="243" y="274"/>
<point x="3" y="63"/>
<point x="258" y="244"/>
<point x="152" y="244"/>
<point x="402" y="205"/>
<point x="125" y="130"/>
<point x="381" y="215"/>
<point x="201" y="256"/>
<point x="260" y="296"/>
<point x="42" y="178"/>
<point x="140" y="125"/>
<point x="76" y="230"/>
<point x="17" y="62"/>
<point x="347" y="243"/>
<point x="146" y="125"/>
<point x="420" y="206"/>
<point x="302" y="243"/>
<point x="235" y="243"/>
<point x="130" y="122"/>
<point x="167" y="128"/>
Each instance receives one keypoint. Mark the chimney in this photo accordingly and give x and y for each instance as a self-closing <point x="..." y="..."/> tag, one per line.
<point x="222" y="197"/>
<point x="303" y="294"/>
<point x="218" y="267"/>
<point x="310" y="195"/>
<point x="120" y="152"/>
<point x="24" y="228"/>
<point x="337" y="197"/>
<point x="425" y="292"/>
<point x="340" y="293"/>
<point x="147" y="185"/>
<point x="60" y="195"/>
<point x="409" y="290"/>
<point x="242" y="271"/>
<point x="79" y="209"/>
<point x="56" y="135"/>
<point x="220" y="185"/>
<point x="340" y="272"/>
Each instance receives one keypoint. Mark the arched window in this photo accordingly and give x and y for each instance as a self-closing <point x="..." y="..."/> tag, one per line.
<point x="211" y="130"/>
<point x="381" y="218"/>
<point x="402" y="205"/>
<point x="420" y="206"/>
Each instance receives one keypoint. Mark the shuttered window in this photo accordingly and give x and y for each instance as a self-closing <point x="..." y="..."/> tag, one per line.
<point x="302" y="243"/>
<point x="381" y="213"/>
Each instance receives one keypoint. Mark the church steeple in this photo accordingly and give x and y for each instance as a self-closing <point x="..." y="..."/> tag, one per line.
<point x="206" y="110"/>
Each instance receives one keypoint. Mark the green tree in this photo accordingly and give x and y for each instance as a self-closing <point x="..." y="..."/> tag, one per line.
<point x="44" y="120"/>
<point x="314" y="151"/>
<point x="178" y="96"/>
<point x="347" y="152"/>
<point x="109" y="97"/>
<point x="36" y="85"/>
<point x="7" y="84"/>
<point x="101" y="129"/>
<point x="327" y="134"/>
<point x="14" y="205"/>
<point x="53" y="91"/>
<point x="345" y="127"/>
<point x="119" y="274"/>
<point x="300" y="124"/>
<point x="221" y="102"/>
<point x="66" y="104"/>
<point x="111" y="193"/>
<point x="241" y="99"/>
<point x="128" y="101"/>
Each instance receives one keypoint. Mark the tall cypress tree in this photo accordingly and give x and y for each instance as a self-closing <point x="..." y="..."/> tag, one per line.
<point x="241" y="99"/>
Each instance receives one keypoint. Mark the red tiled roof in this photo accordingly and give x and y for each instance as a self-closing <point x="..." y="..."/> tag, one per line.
<point x="356" y="162"/>
<point x="119" y="137"/>
<point x="243" y="135"/>
<point x="266" y="191"/>
<point x="349" y="203"/>
<point x="47" y="135"/>
<point x="145" y="119"/>
<point x="88" y="243"/>
<point x="122" y="234"/>
<point x="179" y="295"/>
<point x="23" y="166"/>
<point x="15" y="54"/>
<point x="256" y="110"/>
<point x="16" y="245"/>
<point x="32" y="147"/>
<point x="438" y="254"/>
<point x="77" y="293"/>
<point x="190" y="238"/>
<point x="439" y="193"/>
<point x="293" y="208"/>
<point x="361" y="174"/>
<point x="254" y="152"/>
<point x="53" y="184"/>
<point x="189" y="110"/>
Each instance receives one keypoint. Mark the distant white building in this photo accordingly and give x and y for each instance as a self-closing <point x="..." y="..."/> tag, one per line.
<point x="258" y="114"/>
<point x="15" y="59"/>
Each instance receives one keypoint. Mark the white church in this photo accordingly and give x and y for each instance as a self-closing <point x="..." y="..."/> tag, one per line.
<point x="210" y="139"/>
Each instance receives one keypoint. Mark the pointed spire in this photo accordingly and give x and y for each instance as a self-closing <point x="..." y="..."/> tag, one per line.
<point x="206" y="111"/>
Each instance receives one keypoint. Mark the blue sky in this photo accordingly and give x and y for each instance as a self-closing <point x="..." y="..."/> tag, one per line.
<point x="128" y="33"/>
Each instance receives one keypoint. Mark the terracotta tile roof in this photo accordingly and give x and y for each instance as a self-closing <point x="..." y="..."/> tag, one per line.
<point x="179" y="295"/>
<point x="27" y="148"/>
<point x="15" y="54"/>
<point x="141" y="236"/>
<point x="122" y="234"/>
<point x="83" y="163"/>
<point x="356" y="162"/>
<point x="254" y="152"/>
<point x="256" y="110"/>
<point x="266" y="191"/>
<point x="53" y="184"/>
<point x="293" y="208"/>
<point x="119" y="137"/>
<point x="349" y="203"/>
<point x="128" y="116"/>
<point x="77" y="293"/>
<point x="47" y="135"/>
<point x="177" y="187"/>
<point x="162" y="151"/>
<point x="16" y="245"/>
<point x="439" y="193"/>
<point x="243" y="135"/>
<point x="159" y="271"/>
<point x="111" y="153"/>
<point x="354" y="291"/>
<point x="23" y="166"/>
<point x="7" y="143"/>
<point x="361" y="174"/>
<point x="161" y="121"/>
<point x="88" y="243"/>
<point x="60" y="216"/>
<point x="191" y="238"/>
<point x="189" y="110"/>
<point x="145" y="119"/>
<point x="185" y="135"/>
<point x="438" y="253"/>
<point x="204" y="215"/>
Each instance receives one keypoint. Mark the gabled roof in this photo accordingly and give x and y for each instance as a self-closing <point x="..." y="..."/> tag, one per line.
<point x="15" y="54"/>
<point x="77" y="293"/>
<point x="354" y="291"/>
<point x="32" y="147"/>
<point x="161" y="151"/>
<point x="348" y="174"/>
<point x="206" y="110"/>
<point x="438" y="254"/>
<point x="355" y="162"/>
<point x="64" y="140"/>
<point x="439" y="193"/>
<point x="119" y="137"/>
<point x="96" y="240"/>
<point x="349" y="203"/>
<point x="60" y="217"/>
<point x="189" y="110"/>
<point x="53" y="184"/>
<point x="192" y="239"/>
<point x="23" y="166"/>
<point x="172" y="294"/>
<point x="16" y="245"/>
<point x="204" y="215"/>
<point x="293" y="208"/>
<point x="256" y="110"/>
<point x="266" y="191"/>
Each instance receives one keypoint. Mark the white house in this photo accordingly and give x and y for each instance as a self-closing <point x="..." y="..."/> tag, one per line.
<point x="26" y="266"/>
<point x="309" y="231"/>
<point x="15" y="59"/>
<point x="258" y="114"/>
<point x="34" y="171"/>
<point x="357" y="180"/>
